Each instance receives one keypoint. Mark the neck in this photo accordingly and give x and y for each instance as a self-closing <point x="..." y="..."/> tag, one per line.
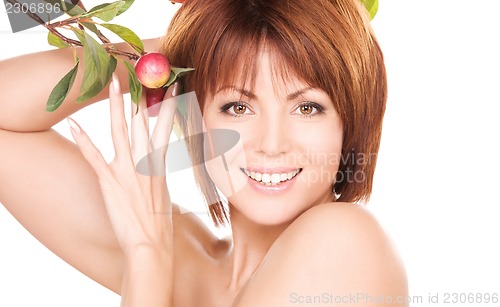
<point x="251" y="242"/>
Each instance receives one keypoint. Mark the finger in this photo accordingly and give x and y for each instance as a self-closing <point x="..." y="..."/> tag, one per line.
<point x="140" y="131"/>
<point x="161" y="199"/>
<point x="119" y="129"/>
<point x="89" y="151"/>
<point x="160" y="139"/>
<point x="163" y="127"/>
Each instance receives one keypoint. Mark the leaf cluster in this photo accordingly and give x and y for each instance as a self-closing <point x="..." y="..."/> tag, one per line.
<point x="100" y="61"/>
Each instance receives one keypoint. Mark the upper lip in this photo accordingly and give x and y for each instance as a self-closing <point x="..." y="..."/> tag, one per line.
<point x="272" y="170"/>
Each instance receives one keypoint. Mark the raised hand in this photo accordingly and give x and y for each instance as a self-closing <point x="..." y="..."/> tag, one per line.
<point x="138" y="204"/>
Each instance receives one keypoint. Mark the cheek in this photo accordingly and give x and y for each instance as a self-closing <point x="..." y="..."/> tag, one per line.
<point x="224" y="157"/>
<point x="320" y="154"/>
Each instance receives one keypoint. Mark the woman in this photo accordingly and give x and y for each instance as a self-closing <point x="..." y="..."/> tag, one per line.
<point x="303" y="85"/>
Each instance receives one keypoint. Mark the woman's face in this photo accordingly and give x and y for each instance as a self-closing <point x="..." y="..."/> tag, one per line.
<point x="289" y="149"/>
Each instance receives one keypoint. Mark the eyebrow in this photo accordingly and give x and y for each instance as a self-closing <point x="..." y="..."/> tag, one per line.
<point x="251" y="95"/>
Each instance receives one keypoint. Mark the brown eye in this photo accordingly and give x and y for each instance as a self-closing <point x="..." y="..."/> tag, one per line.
<point x="236" y="109"/>
<point x="309" y="109"/>
<point x="239" y="109"/>
<point x="306" y="109"/>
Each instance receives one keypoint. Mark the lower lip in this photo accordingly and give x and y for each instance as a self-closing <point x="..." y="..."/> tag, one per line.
<point x="280" y="188"/>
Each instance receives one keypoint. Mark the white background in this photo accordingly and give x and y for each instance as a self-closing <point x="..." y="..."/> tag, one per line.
<point x="436" y="183"/>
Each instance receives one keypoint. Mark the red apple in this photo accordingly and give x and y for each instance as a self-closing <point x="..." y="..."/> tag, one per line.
<point x="153" y="99"/>
<point x="153" y="70"/>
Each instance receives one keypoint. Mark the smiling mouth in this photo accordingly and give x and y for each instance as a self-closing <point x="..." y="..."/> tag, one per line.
<point x="271" y="179"/>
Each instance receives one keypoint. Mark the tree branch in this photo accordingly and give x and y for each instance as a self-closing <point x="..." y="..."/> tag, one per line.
<point x="52" y="28"/>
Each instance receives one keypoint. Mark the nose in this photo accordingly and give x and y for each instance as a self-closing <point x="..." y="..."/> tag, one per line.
<point x="272" y="137"/>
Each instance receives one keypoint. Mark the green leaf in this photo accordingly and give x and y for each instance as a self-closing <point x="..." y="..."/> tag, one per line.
<point x="92" y="27"/>
<point x="106" y="11"/>
<point x="99" y="66"/>
<point x="134" y="83"/>
<point x="125" y="7"/>
<point x="177" y="130"/>
<point x="56" y="41"/>
<point x="92" y="90"/>
<point x="176" y="72"/>
<point x="72" y="10"/>
<point x="170" y="80"/>
<point x="371" y="6"/>
<point x="62" y="89"/>
<point x="99" y="7"/>
<point x="179" y="71"/>
<point x="182" y="108"/>
<point x="127" y="35"/>
<point x="111" y="69"/>
<point x="91" y="48"/>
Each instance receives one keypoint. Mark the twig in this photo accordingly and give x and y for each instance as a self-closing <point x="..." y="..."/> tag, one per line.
<point x="76" y="19"/>
<point x="129" y="55"/>
<point x="64" y="38"/>
<point x="101" y="36"/>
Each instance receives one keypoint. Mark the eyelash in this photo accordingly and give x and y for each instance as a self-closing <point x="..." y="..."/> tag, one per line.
<point x="225" y="108"/>
<point x="319" y="109"/>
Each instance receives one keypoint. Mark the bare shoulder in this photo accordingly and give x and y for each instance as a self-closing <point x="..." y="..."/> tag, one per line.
<point x="333" y="253"/>
<point x="193" y="237"/>
<point x="195" y="249"/>
<point x="189" y="225"/>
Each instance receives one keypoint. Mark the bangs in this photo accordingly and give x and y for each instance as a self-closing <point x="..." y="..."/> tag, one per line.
<point x="242" y="71"/>
<point x="243" y="49"/>
<point x="244" y="44"/>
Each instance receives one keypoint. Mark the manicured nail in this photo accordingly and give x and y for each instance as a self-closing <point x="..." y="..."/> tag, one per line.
<point x="116" y="84"/>
<point x="74" y="126"/>
<point x="176" y="89"/>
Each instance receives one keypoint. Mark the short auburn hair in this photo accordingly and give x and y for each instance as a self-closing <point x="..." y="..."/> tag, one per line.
<point x="329" y="44"/>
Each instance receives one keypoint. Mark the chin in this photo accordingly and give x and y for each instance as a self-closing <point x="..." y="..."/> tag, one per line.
<point x="268" y="212"/>
<point x="267" y="209"/>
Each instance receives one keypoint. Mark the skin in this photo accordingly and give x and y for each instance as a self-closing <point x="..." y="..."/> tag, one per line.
<point x="291" y="247"/>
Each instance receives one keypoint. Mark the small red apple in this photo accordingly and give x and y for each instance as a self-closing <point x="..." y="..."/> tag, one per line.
<point x="153" y="99"/>
<point x="153" y="70"/>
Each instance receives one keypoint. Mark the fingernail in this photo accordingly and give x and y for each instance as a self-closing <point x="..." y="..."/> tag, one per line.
<point x="116" y="84"/>
<point x="73" y="125"/>
<point x="176" y="89"/>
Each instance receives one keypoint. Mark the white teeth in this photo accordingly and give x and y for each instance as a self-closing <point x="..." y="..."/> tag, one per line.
<point x="275" y="178"/>
<point x="266" y="178"/>
<point x="258" y="176"/>
<point x="271" y="179"/>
